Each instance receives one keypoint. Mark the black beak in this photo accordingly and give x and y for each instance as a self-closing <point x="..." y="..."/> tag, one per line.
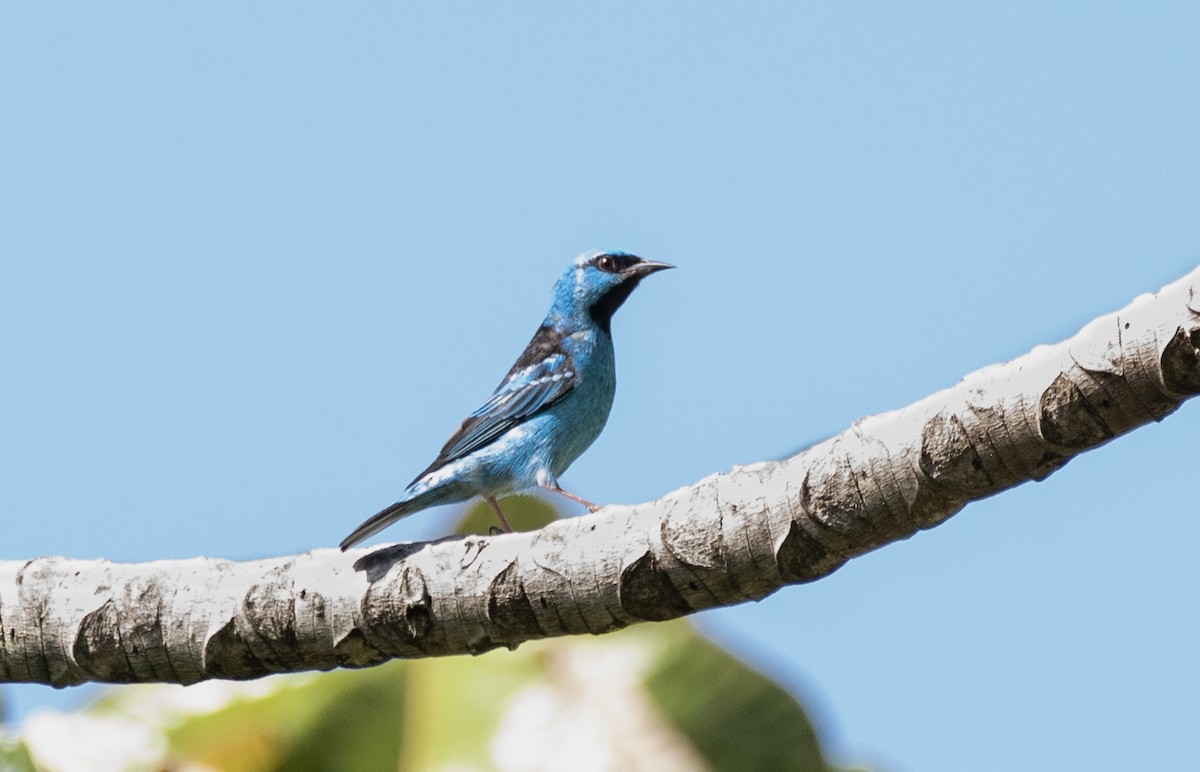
<point x="645" y="268"/>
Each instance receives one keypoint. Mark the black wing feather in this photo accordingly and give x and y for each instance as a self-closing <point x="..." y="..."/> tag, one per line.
<point x="542" y="375"/>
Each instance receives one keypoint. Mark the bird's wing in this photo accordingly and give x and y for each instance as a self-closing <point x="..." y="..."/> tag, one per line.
<point x="544" y="374"/>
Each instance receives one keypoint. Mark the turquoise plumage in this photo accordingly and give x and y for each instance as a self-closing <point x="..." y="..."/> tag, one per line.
<point x="547" y="411"/>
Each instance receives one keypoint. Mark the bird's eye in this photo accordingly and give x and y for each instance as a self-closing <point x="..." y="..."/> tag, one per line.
<point x="606" y="264"/>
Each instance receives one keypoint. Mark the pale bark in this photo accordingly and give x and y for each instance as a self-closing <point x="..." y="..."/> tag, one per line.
<point x="728" y="538"/>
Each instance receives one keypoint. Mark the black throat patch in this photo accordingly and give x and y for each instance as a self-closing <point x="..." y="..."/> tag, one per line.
<point x="603" y="309"/>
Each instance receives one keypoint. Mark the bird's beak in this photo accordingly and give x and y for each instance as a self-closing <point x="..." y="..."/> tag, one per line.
<point x="645" y="268"/>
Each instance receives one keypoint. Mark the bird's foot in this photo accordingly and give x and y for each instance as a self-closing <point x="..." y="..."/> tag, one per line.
<point x="577" y="499"/>
<point x="496" y="508"/>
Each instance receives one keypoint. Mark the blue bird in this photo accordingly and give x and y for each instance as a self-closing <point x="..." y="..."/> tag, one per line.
<point x="548" y="409"/>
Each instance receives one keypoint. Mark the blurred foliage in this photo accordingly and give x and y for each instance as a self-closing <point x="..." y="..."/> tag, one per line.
<point x="653" y="697"/>
<point x="14" y="757"/>
<point x="524" y="513"/>
<point x="720" y="704"/>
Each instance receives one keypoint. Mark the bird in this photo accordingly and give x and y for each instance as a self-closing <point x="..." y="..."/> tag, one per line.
<point x="550" y="407"/>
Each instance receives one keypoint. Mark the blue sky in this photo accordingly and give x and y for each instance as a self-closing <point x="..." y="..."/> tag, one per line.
<point x="259" y="261"/>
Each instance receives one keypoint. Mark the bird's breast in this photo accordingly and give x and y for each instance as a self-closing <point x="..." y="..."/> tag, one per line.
<point x="581" y="416"/>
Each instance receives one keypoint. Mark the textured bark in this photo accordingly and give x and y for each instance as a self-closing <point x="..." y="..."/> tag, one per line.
<point x="726" y="539"/>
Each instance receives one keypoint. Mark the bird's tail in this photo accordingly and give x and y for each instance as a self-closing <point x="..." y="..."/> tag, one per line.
<point x="417" y="497"/>
<point x="378" y="521"/>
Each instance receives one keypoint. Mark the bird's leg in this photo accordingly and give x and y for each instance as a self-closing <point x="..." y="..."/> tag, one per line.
<point x="496" y="508"/>
<point x="578" y="499"/>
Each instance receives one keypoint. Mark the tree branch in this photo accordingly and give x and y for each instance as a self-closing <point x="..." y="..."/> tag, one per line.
<point x="728" y="538"/>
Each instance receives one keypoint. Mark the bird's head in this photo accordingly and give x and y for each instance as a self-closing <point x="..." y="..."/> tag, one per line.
<point x="597" y="283"/>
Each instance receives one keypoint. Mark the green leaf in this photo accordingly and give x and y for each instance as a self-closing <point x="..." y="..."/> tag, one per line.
<point x="737" y="718"/>
<point x="14" y="757"/>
